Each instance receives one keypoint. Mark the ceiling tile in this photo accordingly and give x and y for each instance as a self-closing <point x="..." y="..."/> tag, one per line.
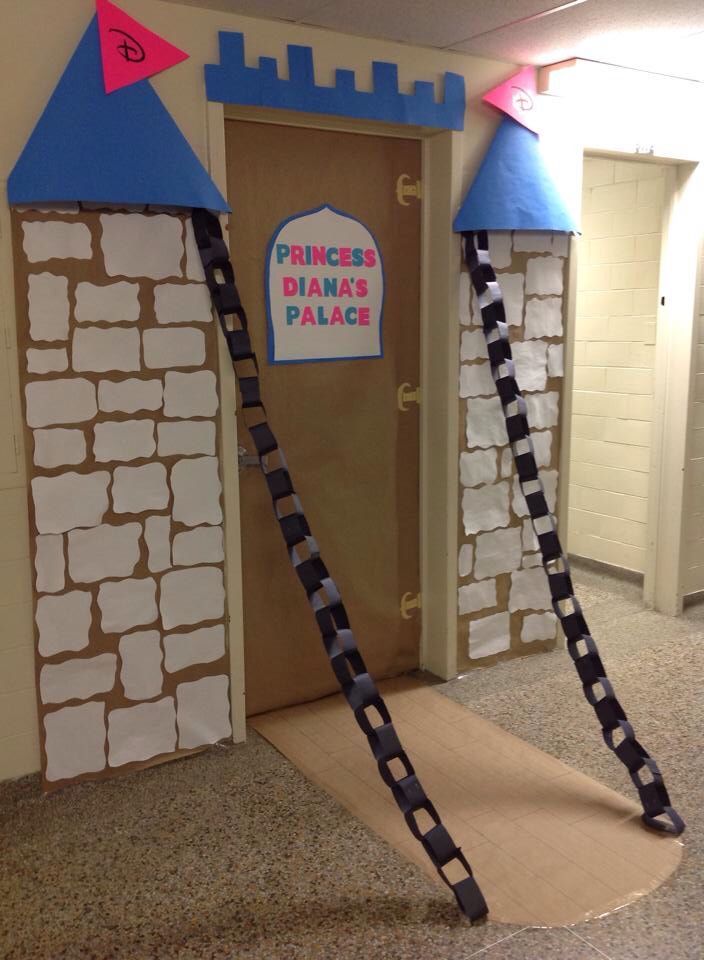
<point x="643" y="34"/>
<point x="276" y="9"/>
<point x="436" y="24"/>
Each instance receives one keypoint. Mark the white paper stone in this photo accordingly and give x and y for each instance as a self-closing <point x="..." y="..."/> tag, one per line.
<point x="477" y="467"/>
<point x="140" y="673"/>
<point x="466" y="558"/>
<point x="69" y="500"/>
<point x="549" y="479"/>
<point x="543" y="409"/>
<point x="476" y="380"/>
<point x="107" y="303"/>
<point x="529" y="590"/>
<point x="556" y="364"/>
<point x="127" y="603"/>
<point x="196" y="486"/>
<point x="75" y="741"/>
<point x="63" y="622"/>
<point x="172" y="347"/>
<point x="489" y="635"/>
<point x="123" y="440"/>
<point x="530" y="541"/>
<point x="192" y="596"/>
<point x="202" y="545"/>
<point x="104" y="551"/>
<point x="129" y="396"/>
<point x="141" y="732"/>
<point x="136" y="489"/>
<point x="512" y="292"/>
<point x="544" y="317"/>
<point x="48" y="306"/>
<point x="530" y="357"/>
<point x="57" y="447"/>
<point x="476" y="596"/>
<point x="182" y="303"/>
<point x="194" y="265"/>
<point x="500" y="249"/>
<point x="539" y="626"/>
<point x="560" y="244"/>
<point x="473" y="345"/>
<point x="47" y="361"/>
<point x="186" y="437"/>
<point x="200" y="646"/>
<point x="59" y="401"/>
<point x="529" y="241"/>
<point x="98" y="349"/>
<point x="485" y="423"/>
<point x="544" y="276"/>
<point x="506" y="462"/>
<point x="497" y="552"/>
<point x="49" y="563"/>
<point x="542" y="447"/>
<point x="157" y="534"/>
<point x="77" y="679"/>
<point x="485" y="508"/>
<point x="140" y="246"/>
<point x="47" y="240"/>
<point x="190" y="394"/>
<point x="203" y="711"/>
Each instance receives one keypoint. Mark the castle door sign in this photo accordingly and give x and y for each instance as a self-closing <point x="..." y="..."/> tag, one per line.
<point x="324" y="289"/>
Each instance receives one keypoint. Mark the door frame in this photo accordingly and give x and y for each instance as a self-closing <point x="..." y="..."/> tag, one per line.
<point x="663" y="582"/>
<point x="441" y="164"/>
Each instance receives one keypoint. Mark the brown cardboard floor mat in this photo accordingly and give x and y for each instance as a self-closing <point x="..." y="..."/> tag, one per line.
<point x="548" y="845"/>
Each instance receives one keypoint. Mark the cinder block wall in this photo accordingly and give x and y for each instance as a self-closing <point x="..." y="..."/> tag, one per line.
<point x="693" y="560"/>
<point x="619" y="263"/>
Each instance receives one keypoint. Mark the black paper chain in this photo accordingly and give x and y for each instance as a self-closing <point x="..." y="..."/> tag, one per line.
<point x="617" y="732"/>
<point x="357" y="685"/>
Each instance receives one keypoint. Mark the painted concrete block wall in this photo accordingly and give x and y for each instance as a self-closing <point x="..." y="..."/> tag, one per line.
<point x="504" y="607"/>
<point x="612" y="408"/>
<point x="693" y="559"/>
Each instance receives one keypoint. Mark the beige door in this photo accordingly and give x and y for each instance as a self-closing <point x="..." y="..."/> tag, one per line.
<point x="353" y="455"/>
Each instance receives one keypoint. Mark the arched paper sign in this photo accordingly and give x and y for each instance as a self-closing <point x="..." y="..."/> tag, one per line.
<point x="324" y="289"/>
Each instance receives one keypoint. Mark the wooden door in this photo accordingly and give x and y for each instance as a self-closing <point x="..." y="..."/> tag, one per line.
<point x="353" y="455"/>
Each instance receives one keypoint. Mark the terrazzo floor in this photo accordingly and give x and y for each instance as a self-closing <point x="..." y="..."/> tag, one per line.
<point x="234" y="854"/>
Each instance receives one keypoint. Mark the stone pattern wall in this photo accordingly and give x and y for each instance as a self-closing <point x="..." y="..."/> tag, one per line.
<point x="118" y="365"/>
<point x="503" y="598"/>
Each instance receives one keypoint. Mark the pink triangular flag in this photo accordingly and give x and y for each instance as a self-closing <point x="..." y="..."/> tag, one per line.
<point x="518" y="97"/>
<point x="129" y="51"/>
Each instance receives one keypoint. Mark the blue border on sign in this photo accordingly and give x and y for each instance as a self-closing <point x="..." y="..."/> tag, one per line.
<point x="269" y="323"/>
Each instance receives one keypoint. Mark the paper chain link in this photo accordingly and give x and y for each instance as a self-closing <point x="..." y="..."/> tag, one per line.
<point x="347" y="663"/>
<point x="617" y="732"/>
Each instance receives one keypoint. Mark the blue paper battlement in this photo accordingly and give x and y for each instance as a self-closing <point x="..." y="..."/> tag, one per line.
<point x="231" y="81"/>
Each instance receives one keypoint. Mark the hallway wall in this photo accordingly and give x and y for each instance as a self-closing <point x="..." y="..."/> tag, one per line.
<point x="614" y="360"/>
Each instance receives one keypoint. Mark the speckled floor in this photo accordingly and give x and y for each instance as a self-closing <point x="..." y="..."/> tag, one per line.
<point x="234" y="854"/>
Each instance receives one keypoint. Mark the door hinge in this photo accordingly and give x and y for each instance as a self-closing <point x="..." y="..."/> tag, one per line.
<point x="406" y="188"/>
<point x="405" y="396"/>
<point x="409" y="603"/>
<point x="245" y="459"/>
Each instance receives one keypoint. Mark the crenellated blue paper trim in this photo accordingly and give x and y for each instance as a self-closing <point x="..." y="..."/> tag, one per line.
<point x="231" y="81"/>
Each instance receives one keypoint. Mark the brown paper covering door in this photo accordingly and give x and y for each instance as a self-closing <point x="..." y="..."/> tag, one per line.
<point x="353" y="456"/>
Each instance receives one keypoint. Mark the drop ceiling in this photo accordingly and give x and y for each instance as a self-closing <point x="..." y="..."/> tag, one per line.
<point x="662" y="36"/>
